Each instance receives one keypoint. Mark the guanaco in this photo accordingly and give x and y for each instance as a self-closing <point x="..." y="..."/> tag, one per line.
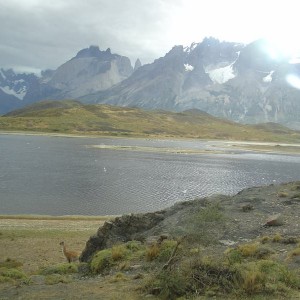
<point x="70" y="255"/>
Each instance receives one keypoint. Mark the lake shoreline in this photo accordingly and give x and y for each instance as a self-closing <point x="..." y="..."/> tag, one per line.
<point x="249" y="146"/>
<point x="51" y="217"/>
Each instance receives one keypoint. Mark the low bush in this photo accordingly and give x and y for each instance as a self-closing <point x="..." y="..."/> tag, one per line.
<point x="247" y="250"/>
<point x="166" y="249"/>
<point x="11" y="274"/>
<point x="168" y="285"/>
<point x="119" y="252"/>
<point x="101" y="261"/>
<point x="267" y="277"/>
<point x="63" y="268"/>
<point x="118" y="256"/>
<point x="277" y="238"/>
<point x="134" y="246"/>
<point x="244" y="271"/>
<point x="250" y="250"/>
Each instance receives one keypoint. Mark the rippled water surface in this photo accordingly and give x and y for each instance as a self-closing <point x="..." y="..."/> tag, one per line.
<point x="59" y="175"/>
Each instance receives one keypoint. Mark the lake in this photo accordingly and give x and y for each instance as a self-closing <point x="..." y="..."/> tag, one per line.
<point x="67" y="176"/>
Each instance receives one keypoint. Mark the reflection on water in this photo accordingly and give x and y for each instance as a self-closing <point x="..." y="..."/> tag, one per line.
<point x="58" y="176"/>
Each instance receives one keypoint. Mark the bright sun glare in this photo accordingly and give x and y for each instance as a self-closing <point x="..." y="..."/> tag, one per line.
<point x="283" y="47"/>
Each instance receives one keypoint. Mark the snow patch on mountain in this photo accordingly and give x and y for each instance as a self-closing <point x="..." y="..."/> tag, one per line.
<point x="189" y="49"/>
<point x="20" y="94"/>
<point x="268" y="78"/>
<point x="221" y="75"/>
<point x="188" y="67"/>
<point x="2" y="74"/>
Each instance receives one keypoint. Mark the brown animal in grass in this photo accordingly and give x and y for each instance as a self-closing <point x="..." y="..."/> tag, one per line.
<point x="71" y="256"/>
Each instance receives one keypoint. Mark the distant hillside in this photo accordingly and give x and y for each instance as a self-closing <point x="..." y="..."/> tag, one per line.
<point x="75" y="118"/>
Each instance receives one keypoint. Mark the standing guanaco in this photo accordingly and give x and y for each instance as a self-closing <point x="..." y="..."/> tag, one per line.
<point x="70" y="255"/>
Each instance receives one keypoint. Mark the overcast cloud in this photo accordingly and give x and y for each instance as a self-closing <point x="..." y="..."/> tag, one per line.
<point x="40" y="34"/>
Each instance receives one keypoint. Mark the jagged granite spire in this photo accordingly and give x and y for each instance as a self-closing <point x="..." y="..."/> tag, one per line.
<point x="137" y="64"/>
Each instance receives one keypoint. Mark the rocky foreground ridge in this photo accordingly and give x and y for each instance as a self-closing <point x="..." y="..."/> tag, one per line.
<point x="252" y="213"/>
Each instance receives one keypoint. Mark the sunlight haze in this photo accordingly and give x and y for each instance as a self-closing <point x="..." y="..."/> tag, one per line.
<point x="40" y="34"/>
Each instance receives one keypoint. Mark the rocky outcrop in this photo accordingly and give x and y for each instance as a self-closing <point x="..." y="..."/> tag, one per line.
<point x="243" y="218"/>
<point x="122" y="229"/>
<point x="275" y="220"/>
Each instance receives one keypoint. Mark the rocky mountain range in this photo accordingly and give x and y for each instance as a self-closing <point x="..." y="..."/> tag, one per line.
<point x="243" y="83"/>
<point x="90" y="71"/>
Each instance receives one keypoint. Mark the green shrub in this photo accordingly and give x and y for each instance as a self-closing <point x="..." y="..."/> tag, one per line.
<point x="247" y="250"/>
<point x="102" y="261"/>
<point x="63" y="268"/>
<point x="211" y="213"/>
<point x="267" y="277"/>
<point x="134" y="246"/>
<point x="234" y="256"/>
<point x="118" y="256"/>
<point x="166" y="250"/>
<point x="168" y="285"/>
<point x="254" y="250"/>
<point x="277" y="238"/>
<point x="265" y="239"/>
<point x="11" y="274"/>
<point x="240" y="279"/>
<point x="208" y="274"/>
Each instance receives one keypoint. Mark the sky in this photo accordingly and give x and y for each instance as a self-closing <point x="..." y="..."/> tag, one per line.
<point x="41" y="34"/>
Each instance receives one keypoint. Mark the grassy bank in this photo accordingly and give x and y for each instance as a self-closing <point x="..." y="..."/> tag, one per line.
<point x="72" y="117"/>
<point x="32" y="265"/>
<point x="39" y="237"/>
